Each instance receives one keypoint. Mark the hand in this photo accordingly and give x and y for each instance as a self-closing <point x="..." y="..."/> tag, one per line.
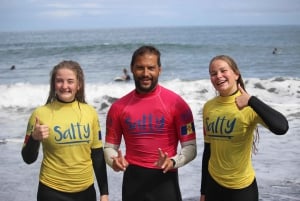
<point x="202" y="198"/>
<point x="242" y="100"/>
<point x="40" y="132"/>
<point x="119" y="162"/>
<point x="104" y="198"/>
<point x="163" y="161"/>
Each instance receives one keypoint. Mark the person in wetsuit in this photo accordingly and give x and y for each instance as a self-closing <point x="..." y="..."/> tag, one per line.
<point x="69" y="131"/>
<point x="153" y="121"/>
<point x="126" y="76"/>
<point x="229" y="123"/>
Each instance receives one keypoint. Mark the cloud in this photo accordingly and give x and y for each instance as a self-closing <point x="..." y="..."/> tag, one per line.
<point x="72" y="5"/>
<point x="63" y="10"/>
<point x="258" y="6"/>
<point x="41" y="14"/>
<point x="61" y="13"/>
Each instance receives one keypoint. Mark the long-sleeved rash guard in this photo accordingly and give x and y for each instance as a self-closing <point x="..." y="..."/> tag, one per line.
<point x="72" y="150"/>
<point x="147" y="122"/>
<point x="229" y="137"/>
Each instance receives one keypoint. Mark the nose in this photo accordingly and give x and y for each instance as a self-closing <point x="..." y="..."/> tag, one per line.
<point x="146" y="72"/>
<point x="219" y="74"/>
<point x="65" y="84"/>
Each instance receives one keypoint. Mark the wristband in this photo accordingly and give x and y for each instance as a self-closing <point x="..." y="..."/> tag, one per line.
<point x="174" y="162"/>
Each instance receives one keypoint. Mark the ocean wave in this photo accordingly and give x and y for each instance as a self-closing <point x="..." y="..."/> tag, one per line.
<point x="279" y="91"/>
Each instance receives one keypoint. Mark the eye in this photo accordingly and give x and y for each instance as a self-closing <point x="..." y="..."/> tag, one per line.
<point x="139" y="67"/>
<point x="151" y="68"/>
<point x="71" y="81"/>
<point x="57" y="80"/>
<point x="213" y="73"/>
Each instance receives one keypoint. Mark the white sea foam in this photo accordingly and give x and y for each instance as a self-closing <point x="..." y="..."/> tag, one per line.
<point x="280" y="92"/>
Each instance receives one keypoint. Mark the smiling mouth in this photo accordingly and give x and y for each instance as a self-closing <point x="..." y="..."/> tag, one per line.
<point x="221" y="82"/>
<point x="65" y="92"/>
<point x="145" y="81"/>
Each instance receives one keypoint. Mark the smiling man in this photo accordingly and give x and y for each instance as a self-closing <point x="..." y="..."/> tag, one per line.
<point x="153" y="121"/>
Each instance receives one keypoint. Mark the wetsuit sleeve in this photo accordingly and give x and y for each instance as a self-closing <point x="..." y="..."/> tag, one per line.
<point x="184" y="122"/>
<point x="205" y="159"/>
<point x="109" y="152"/>
<point x="99" y="166"/>
<point x="30" y="150"/>
<point x="275" y="121"/>
<point x="113" y="133"/>
<point x="187" y="153"/>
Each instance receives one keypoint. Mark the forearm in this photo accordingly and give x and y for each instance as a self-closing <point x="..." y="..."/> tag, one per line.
<point x="187" y="153"/>
<point x="30" y="151"/>
<point x="99" y="166"/>
<point x="276" y="122"/>
<point x="205" y="159"/>
<point x="110" y="151"/>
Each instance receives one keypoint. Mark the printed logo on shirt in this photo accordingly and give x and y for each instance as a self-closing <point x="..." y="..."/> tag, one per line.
<point x="74" y="134"/>
<point x="220" y="127"/>
<point x="146" y="124"/>
<point x="188" y="129"/>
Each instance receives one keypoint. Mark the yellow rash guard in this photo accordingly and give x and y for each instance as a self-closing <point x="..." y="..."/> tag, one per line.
<point x="230" y="134"/>
<point x="74" y="131"/>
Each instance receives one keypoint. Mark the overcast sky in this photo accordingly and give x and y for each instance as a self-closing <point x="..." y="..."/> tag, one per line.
<point x="93" y="14"/>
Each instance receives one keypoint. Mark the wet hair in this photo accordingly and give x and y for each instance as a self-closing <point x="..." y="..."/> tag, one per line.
<point x="232" y="64"/>
<point x="76" y="68"/>
<point x="146" y="49"/>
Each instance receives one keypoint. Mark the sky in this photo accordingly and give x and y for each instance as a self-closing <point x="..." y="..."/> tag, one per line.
<point x="19" y="15"/>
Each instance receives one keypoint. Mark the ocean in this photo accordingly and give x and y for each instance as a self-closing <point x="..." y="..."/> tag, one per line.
<point x="185" y="54"/>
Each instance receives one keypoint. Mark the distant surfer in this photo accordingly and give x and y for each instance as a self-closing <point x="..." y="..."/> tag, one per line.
<point x="13" y="67"/>
<point x="125" y="77"/>
<point x="275" y="51"/>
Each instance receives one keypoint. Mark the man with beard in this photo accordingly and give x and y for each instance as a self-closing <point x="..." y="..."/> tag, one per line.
<point x="153" y="121"/>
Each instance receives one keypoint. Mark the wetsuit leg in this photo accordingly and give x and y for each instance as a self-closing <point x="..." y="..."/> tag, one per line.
<point x="142" y="184"/>
<point x="46" y="193"/>
<point x="216" y="192"/>
<point x="249" y="193"/>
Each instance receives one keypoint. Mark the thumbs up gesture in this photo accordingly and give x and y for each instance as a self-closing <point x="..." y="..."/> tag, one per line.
<point x="242" y="100"/>
<point x="40" y="132"/>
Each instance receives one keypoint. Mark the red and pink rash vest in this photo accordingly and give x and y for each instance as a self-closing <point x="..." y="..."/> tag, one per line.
<point x="159" y="119"/>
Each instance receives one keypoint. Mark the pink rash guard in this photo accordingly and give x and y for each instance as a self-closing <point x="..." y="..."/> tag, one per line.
<point x="159" y="119"/>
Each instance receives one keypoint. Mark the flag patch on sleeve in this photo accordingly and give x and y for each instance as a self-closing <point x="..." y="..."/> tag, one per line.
<point x="188" y="129"/>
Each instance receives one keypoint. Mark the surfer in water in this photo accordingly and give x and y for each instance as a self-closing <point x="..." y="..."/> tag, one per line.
<point x="126" y="76"/>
